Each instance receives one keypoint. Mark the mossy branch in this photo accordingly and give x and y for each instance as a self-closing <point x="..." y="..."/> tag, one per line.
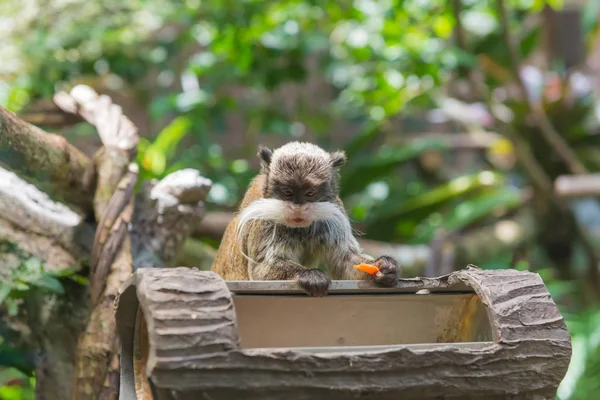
<point x="42" y="153"/>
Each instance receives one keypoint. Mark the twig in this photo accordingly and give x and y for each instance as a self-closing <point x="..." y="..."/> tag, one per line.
<point x="442" y="254"/>
<point x="550" y="134"/>
<point x="112" y="232"/>
<point x="568" y="186"/>
<point x="459" y="33"/>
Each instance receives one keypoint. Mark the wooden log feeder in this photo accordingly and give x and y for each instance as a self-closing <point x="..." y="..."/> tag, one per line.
<point x="472" y="334"/>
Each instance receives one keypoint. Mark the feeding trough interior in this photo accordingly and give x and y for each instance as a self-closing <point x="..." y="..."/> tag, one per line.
<point x="269" y="316"/>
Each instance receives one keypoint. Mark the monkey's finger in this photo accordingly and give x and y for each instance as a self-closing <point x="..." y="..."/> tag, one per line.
<point x="386" y="278"/>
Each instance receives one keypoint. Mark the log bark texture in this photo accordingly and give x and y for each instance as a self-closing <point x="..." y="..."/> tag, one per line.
<point x="39" y="226"/>
<point x="30" y="148"/>
<point x="32" y="225"/>
<point x="194" y="347"/>
<point x="165" y="214"/>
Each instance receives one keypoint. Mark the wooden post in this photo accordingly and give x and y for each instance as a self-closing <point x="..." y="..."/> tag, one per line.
<point x="563" y="35"/>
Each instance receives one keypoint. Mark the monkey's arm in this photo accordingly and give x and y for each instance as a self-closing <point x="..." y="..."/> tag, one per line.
<point x="314" y="281"/>
<point x="270" y="261"/>
<point x="341" y="266"/>
<point x="276" y="269"/>
<point x="342" y="258"/>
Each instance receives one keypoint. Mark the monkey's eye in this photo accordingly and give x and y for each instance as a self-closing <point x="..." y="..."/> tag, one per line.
<point x="310" y="193"/>
<point x="287" y="193"/>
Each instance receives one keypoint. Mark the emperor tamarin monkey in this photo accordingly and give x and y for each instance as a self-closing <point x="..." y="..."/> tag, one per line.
<point x="291" y="219"/>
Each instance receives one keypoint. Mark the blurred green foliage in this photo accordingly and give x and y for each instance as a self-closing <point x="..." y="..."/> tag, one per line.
<point x="15" y="385"/>
<point x="187" y="68"/>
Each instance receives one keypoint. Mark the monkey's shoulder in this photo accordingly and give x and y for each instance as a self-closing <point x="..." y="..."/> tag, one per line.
<point x="256" y="190"/>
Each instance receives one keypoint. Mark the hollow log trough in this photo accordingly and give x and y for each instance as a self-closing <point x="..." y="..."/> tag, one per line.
<point x="472" y="334"/>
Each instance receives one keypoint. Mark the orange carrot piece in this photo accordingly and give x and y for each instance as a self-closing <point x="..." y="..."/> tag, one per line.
<point x="369" y="269"/>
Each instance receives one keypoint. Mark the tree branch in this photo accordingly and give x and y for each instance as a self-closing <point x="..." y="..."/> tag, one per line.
<point x="38" y="152"/>
<point x="568" y="186"/>
<point x="165" y="214"/>
<point x="140" y="230"/>
<point x="542" y="121"/>
<point x="47" y="114"/>
<point x="112" y="260"/>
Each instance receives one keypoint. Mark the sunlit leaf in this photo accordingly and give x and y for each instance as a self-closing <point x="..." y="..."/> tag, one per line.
<point x="63" y="272"/>
<point x="82" y="280"/>
<point x="471" y="210"/>
<point x="170" y="135"/>
<point x="556" y="4"/>
<point x="451" y="190"/>
<point x="17" y="393"/>
<point x="442" y="26"/>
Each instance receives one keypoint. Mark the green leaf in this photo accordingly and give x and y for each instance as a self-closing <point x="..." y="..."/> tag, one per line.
<point x="17" y="393"/>
<point x="441" y="194"/>
<point x="167" y="140"/>
<point x="11" y="374"/>
<point x="20" y="286"/>
<point x="367" y="168"/>
<point x="63" y="272"/>
<point x="556" y="4"/>
<point x="590" y="15"/>
<point x="154" y="160"/>
<point x="29" y="271"/>
<point x="32" y="265"/>
<point x="442" y="26"/>
<point x="82" y="280"/>
<point x="49" y="282"/>
<point x="12" y="306"/>
<point x="470" y="211"/>
<point x="359" y="142"/>
<point x="4" y="291"/>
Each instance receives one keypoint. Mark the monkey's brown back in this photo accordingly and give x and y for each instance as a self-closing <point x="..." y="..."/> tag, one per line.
<point x="229" y="262"/>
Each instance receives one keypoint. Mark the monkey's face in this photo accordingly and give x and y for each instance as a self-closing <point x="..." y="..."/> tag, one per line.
<point x="301" y="187"/>
<point x="300" y="199"/>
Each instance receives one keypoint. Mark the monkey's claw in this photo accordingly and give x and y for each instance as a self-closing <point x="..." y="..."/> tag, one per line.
<point x="388" y="271"/>
<point x="315" y="282"/>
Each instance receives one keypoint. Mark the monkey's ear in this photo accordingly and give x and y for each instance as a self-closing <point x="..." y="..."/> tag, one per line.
<point x="265" y="155"/>
<point x="338" y="159"/>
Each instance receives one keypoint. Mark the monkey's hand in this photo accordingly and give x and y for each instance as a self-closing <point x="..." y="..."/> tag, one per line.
<point x="314" y="281"/>
<point x="388" y="271"/>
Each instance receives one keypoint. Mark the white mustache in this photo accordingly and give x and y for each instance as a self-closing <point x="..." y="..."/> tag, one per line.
<point x="333" y="216"/>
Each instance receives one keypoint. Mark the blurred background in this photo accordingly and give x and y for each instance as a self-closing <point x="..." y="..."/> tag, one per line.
<point x="472" y="127"/>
